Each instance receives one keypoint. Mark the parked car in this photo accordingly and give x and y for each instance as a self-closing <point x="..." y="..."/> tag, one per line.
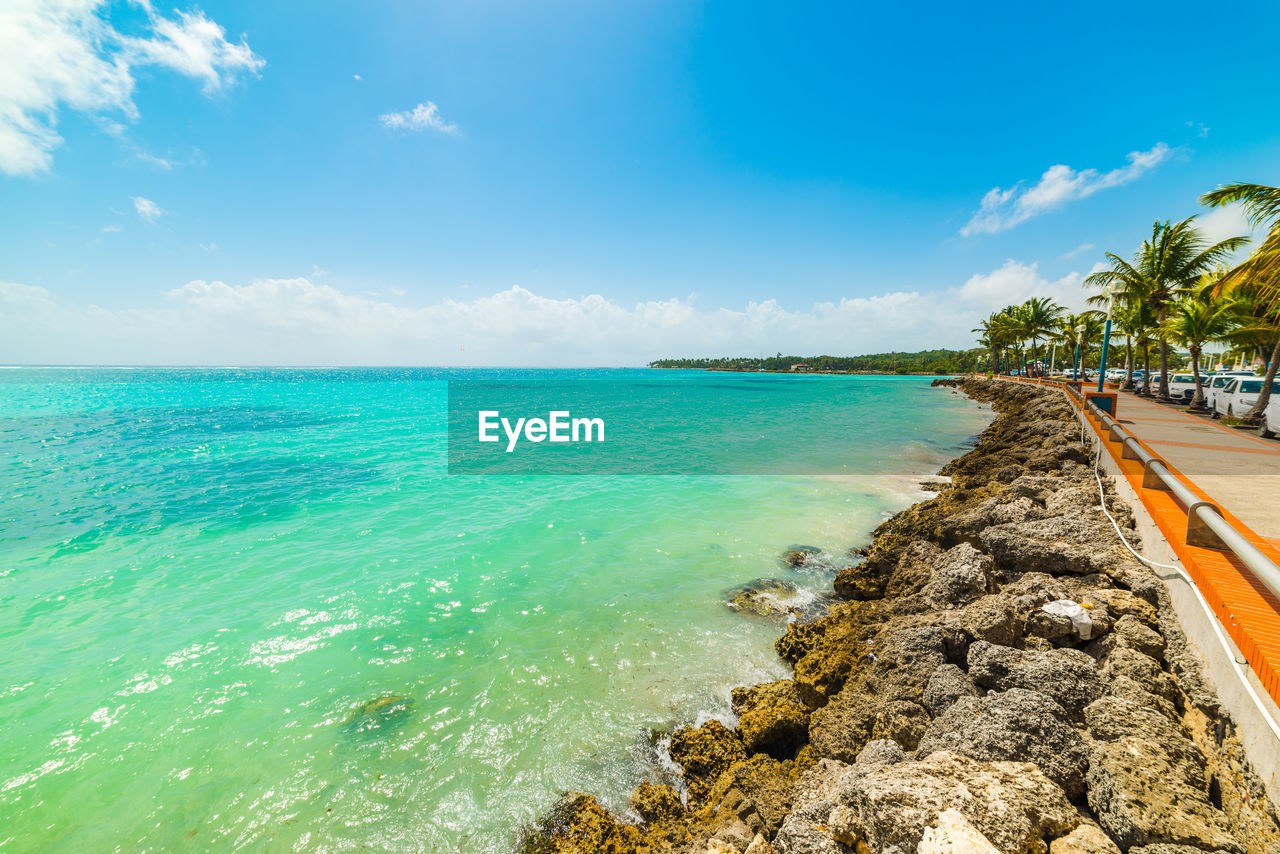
<point x="1271" y="417"/>
<point x="1239" y="395"/>
<point x="1182" y="386"/>
<point x="1218" y="382"/>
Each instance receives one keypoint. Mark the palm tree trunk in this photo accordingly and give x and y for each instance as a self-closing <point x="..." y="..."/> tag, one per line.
<point x="1254" y="415"/>
<point x="1164" y="358"/>
<point x="1128" y="362"/>
<point x="1146" y="369"/>
<point x="1197" y="399"/>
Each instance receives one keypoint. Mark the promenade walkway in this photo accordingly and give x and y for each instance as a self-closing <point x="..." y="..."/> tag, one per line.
<point x="1240" y="470"/>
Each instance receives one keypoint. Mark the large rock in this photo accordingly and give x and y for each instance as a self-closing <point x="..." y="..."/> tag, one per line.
<point x="914" y="569"/>
<point x="947" y="684"/>
<point x="960" y="576"/>
<point x="1058" y="545"/>
<point x="853" y="718"/>
<point x="1142" y="669"/>
<point x="1069" y="676"/>
<point x="953" y="834"/>
<point x="994" y="619"/>
<point x="772" y="718"/>
<point x="1141" y="797"/>
<point x="1017" y="725"/>
<point x="1085" y="839"/>
<point x="1131" y="632"/>
<point x="1010" y="803"/>
<point x="1115" y="718"/>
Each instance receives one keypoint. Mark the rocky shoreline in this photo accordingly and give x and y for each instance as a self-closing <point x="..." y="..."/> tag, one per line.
<point x="996" y="675"/>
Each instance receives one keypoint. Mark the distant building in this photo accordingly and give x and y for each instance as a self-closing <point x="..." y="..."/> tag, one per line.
<point x="801" y="366"/>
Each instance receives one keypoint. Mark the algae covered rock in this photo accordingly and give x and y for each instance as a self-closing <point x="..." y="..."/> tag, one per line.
<point x="772" y="718"/>
<point x="656" y="802"/>
<point x="752" y="796"/>
<point x="770" y="597"/>
<point x="827" y="651"/>
<point x="378" y="716"/>
<point x="578" y="824"/>
<point x="704" y="753"/>
<point x="798" y="556"/>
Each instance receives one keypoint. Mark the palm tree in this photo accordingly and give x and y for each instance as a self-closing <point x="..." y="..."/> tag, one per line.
<point x="1166" y="266"/>
<point x="1035" y="319"/>
<point x="994" y="336"/>
<point x="1081" y="330"/>
<point x="1192" y="323"/>
<point x="1259" y="276"/>
<point x="1135" y="320"/>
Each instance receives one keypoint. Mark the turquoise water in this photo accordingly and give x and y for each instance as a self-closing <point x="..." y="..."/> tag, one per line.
<point x="204" y="575"/>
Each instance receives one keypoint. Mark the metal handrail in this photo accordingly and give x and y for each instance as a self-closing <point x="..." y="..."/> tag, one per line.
<point x="1206" y="525"/>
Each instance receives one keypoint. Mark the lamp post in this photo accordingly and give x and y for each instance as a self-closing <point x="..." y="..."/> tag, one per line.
<point x="1076" y="376"/>
<point x="1106" y="338"/>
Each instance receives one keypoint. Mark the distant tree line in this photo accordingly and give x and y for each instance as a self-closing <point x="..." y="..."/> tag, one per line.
<point x="925" y="361"/>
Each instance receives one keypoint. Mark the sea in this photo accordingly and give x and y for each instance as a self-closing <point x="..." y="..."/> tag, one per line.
<point x="257" y="609"/>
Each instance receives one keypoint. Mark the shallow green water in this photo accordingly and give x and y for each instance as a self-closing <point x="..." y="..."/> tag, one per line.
<point x="204" y="574"/>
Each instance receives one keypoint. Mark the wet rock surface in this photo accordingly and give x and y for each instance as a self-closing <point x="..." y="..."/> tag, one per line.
<point x="996" y="674"/>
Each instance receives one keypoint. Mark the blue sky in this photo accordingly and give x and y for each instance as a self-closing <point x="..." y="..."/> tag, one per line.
<point x="592" y="183"/>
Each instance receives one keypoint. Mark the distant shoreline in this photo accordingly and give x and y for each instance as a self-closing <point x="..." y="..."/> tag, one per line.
<point x="867" y="373"/>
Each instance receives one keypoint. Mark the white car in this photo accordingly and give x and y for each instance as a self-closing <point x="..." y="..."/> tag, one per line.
<point x="1239" y="395"/>
<point x="1271" y="417"/>
<point x="1183" y="386"/>
<point x="1216" y="384"/>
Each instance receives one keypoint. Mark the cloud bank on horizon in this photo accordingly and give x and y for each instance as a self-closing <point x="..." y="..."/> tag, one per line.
<point x="299" y="322"/>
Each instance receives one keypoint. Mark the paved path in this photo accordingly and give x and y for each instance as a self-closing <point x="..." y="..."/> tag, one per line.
<point x="1237" y="468"/>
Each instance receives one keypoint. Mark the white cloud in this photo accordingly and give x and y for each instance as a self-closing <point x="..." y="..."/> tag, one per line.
<point x="66" y="55"/>
<point x="1003" y="209"/>
<point x="1015" y="283"/>
<point x="425" y="116"/>
<point x="152" y="160"/>
<point x="195" y="46"/>
<point x="296" y="321"/>
<point x="1082" y="248"/>
<point x="1227" y="221"/>
<point x="147" y="209"/>
<point x="107" y="229"/>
